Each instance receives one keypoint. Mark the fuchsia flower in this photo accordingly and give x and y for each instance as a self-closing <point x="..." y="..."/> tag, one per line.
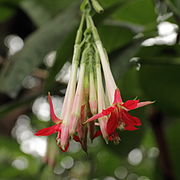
<point x="117" y="114"/>
<point x="52" y="129"/>
<point x="86" y="95"/>
<point x="81" y="137"/>
<point x="119" y="118"/>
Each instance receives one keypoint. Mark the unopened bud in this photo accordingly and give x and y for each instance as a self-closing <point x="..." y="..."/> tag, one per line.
<point x="98" y="8"/>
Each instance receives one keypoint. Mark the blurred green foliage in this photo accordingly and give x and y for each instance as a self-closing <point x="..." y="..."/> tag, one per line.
<point x="148" y="72"/>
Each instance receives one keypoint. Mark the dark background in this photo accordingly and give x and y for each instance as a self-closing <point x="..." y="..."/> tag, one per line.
<point x="142" y="39"/>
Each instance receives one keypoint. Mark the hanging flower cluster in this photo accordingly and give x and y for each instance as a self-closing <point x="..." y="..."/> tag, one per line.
<point x="90" y="108"/>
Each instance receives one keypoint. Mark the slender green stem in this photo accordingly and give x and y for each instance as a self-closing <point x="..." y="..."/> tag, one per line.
<point x="80" y="30"/>
<point x="110" y="83"/>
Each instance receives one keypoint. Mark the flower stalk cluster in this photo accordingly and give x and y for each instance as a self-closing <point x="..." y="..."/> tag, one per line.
<point x="90" y="108"/>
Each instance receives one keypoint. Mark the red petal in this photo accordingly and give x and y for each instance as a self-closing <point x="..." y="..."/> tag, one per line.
<point x="97" y="116"/>
<point x="130" y="120"/>
<point x="54" y="118"/>
<point x="130" y="128"/>
<point x="110" y="138"/>
<point x="145" y="103"/>
<point x="47" y="131"/>
<point x="117" y="97"/>
<point x="131" y="104"/>
<point x="108" y="110"/>
<point x="112" y="123"/>
<point x="104" y="112"/>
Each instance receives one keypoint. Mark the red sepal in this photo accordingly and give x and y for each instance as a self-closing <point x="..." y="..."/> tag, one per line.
<point x="112" y="123"/>
<point x="130" y="120"/>
<point x="108" y="110"/>
<point x="48" y="131"/>
<point x="54" y="118"/>
<point x="145" y="103"/>
<point x="130" y="104"/>
<point x="117" y="97"/>
<point x="130" y="128"/>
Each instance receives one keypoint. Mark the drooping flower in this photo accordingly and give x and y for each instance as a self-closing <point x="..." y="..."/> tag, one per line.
<point x="73" y="94"/>
<point x="86" y="95"/>
<point x="117" y="113"/>
<point x="81" y="135"/>
<point x="101" y="98"/>
<point x="53" y="129"/>
<point x="118" y="116"/>
<point x="63" y="126"/>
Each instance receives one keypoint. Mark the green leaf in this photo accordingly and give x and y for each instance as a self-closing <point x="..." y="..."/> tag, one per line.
<point x="44" y="40"/>
<point x="10" y="144"/>
<point x="39" y="15"/>
<point x="114" y="37"/>
<point x="44" y="10"/>
<point x="174" y="6"/>
<point x="5" y="13"/>
<point x="105" y="4"/>
<point x="6" y="108"/>
<point x="121" y="58"/>
<point x="55" y="6"/>
<point x="176" y="3"/>
<point x="159" y="79"/>
<point x="63" y="54"/>
<point x="159" y="55"/>
<point x="47" y="173"/>
<point x="172" y="134"/>
<point x="110" y="8"/>
<point x="129" y="85"/>
<point x="8" y="8"/>
<point x="160" y="84"/>
<point x="9" y="2"/>
<point x="159" y="51"/>
<point x="138" y="12"/>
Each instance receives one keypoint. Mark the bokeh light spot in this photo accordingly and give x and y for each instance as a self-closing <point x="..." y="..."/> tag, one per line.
<point x="67" y="162"/>
<point x="20" y="163"/>
<point x="132" y="176"/>
<point x="14" y="43"/>
<point x="153" y="152"/>
<point x="135" y="157"/>
<point x="143" y="178"/>
<point x="49" y="59"/>
<point x="121" y="172"/>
